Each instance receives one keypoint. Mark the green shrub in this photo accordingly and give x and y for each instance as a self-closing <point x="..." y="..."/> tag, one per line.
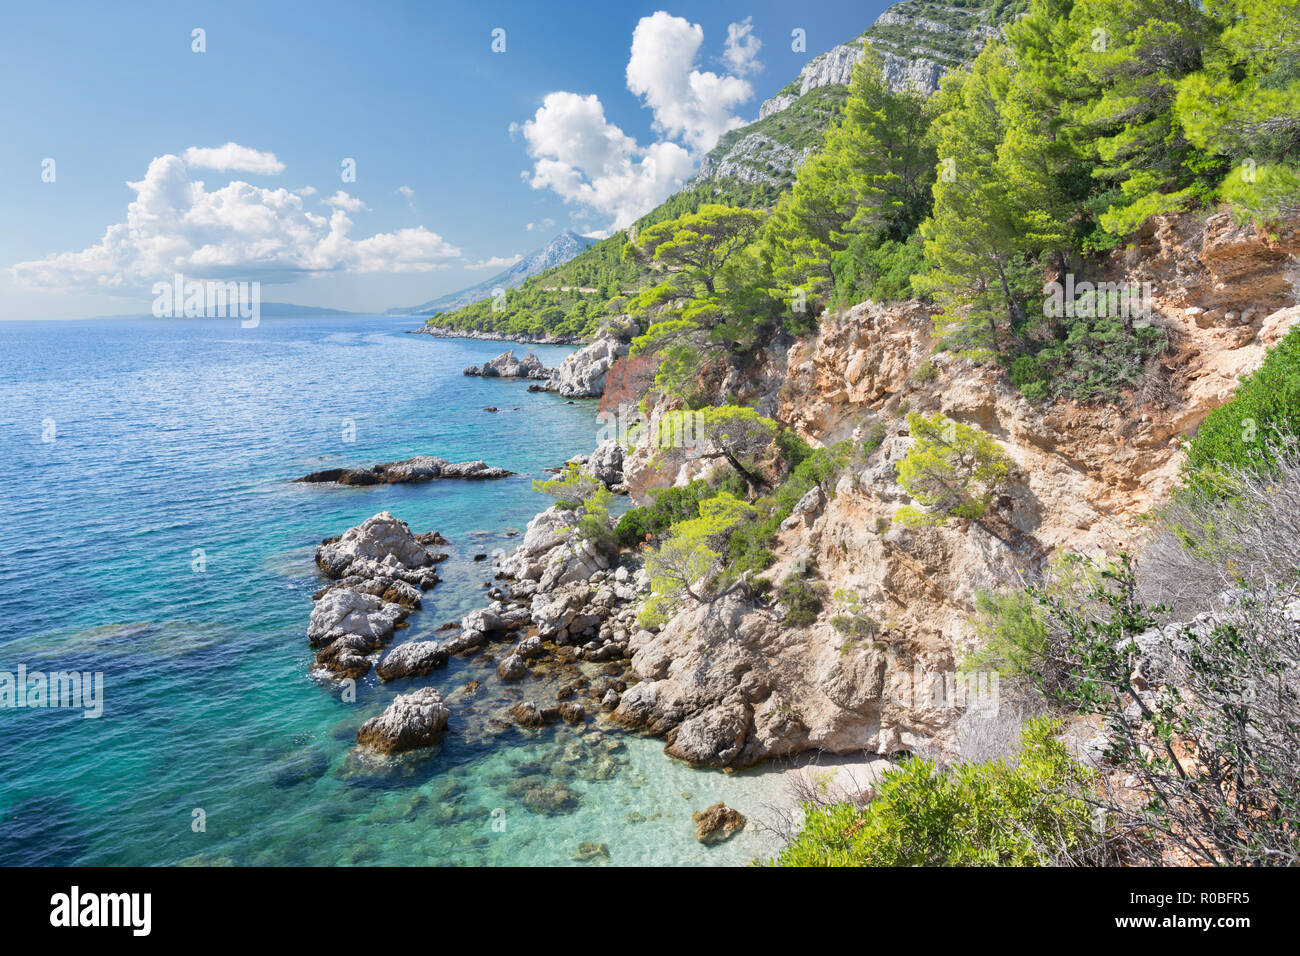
<point x="1266" y="404"/>
<point x="577" y="490"/>
<point x="1087" y="359"/>
<point x="1012" y="631"/>
<point x="874" y="437"/>
<point x="880" y="271"/>
<point x="750" y="547"/>
<point x="801" y="592"/>
<point x="670" y="506"/>
<point x="951" y="468"/>
<point x="1011" y="812"/>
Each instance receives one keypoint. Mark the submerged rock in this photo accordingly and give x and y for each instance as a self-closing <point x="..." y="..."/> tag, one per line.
<point x="717" y="824"/>
<point x="591" y="852"/>
<point x="419" y="468"/>
<point x="411" y="721"/>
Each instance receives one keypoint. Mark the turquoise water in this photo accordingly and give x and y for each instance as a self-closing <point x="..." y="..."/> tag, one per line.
<point x="127" y="446"/>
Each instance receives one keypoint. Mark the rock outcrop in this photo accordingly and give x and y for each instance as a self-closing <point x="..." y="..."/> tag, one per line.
<point x="417" y="469"/>
<point x="582" y="374"/>
<point x="506" y="365"/>
<point x="732" y="683"/>
<point x="378" y="571"/>
<point x="412" y="659"/>
<point x="411" y="721"/>
<point x="605" y="464"/>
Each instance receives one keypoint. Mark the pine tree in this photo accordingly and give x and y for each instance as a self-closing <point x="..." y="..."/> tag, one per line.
<point x="1136" y="52"/>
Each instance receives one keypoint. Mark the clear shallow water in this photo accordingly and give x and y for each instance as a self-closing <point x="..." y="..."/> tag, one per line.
<point x="176" y="435"/>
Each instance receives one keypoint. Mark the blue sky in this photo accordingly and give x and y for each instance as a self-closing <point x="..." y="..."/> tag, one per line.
<point x="586" y="119"/>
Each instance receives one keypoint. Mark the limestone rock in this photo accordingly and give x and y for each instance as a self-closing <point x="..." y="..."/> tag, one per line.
<point x="411" y="721"/>
<point x="418" y="469"/>
<point x="506" y="365"/>
<point x="582" y="374"/>
<point x="377" y="539"/>
<point x="413" y="659"/>
<point x="512" y="668"/>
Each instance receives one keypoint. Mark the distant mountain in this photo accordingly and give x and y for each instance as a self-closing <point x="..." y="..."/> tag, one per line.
<point x="556" y="252"/>
<point x="267" y="310"/>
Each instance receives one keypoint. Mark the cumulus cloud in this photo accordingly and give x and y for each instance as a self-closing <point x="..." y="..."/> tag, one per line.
<point x="687" y="103"/>
<point x="590" y="162"/>
<point x="741" y="51"/>
<point x="239" y="231"/>
<point x="546" y="223"/>
<point x="495" y="262"/>
<point x="341" y="200"/>
<point x="233" y="158"/>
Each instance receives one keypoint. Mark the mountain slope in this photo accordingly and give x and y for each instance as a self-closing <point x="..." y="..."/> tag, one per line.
<point x="919" y="41"/>
<point x="556" y="252"/>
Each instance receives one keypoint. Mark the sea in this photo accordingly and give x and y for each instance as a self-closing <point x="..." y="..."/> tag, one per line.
<point x="151" y="534"/>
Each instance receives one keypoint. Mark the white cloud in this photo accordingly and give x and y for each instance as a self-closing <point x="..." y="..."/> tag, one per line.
<point x="587" y="160"/>
<point x="546" y="223"/>
<point x="495" y="262"/>
<point x="590" y="162"/>
<point x="341" y="200"/>
<point x="741" y="51"/>
<point x="407" y="193"/>
<point x="687" y="104"/>
<point x="306" y="191"/>
<point x="234" y="158"/>
<point x="238" y="231"/>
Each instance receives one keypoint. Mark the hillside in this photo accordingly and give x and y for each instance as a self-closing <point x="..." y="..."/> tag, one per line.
<point x="1004" y="376"/>
<point x="918" y="40"/>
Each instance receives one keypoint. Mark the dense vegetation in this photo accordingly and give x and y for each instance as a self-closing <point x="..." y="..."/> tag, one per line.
<point x="1004" y="812"/>
<point x="1247" y="429"/>
<point x="1033" y="163"/>
<point x="555" y="303"/>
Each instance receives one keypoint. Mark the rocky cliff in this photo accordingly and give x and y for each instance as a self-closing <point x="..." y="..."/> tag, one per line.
<point x="729" y="684"/>
<point x="917" y="40"/>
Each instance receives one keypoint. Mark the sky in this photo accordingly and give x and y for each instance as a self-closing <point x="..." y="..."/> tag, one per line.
<point x="357" y="156"/>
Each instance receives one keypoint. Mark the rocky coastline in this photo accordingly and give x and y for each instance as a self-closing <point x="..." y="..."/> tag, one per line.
<point x="580" y="375"/>
<point x="732" y="683"/>
<point x="522" y="338"/>
<point x="560" y="624"/>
